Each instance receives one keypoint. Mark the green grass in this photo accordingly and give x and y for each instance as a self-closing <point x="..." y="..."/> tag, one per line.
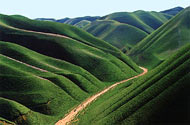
<point x="59" y="84"/>
<point x="161" y="96"/>
<point x="74" y="21"/>
<point x="163" y="42"/>
<point x="117" y="34"/>
<point x="124" y="30"/>
<point x="81" y="53"/>
<point x="173" y="11"/>
<point x="146" y="21"/>
<point x="82" y="23"/>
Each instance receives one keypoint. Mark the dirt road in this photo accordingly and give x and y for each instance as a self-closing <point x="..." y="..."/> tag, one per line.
<point x="71" y="115"/>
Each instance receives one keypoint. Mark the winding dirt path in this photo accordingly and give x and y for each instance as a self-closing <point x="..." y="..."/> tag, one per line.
<point x="71" y="115"/>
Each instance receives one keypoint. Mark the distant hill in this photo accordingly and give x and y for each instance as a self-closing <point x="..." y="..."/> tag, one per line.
<point x="124" y="30"/>
<point x="117" y="34"/>
<point x="146" y="21"/>
<point x="46" y="19"/>
<point x="173" y="11"/>
<point x="166" y="40"/>
<point x="47" y="68"/>
<point x="78" y="19"/>
<point x="71" y="21"/>
<point x="82" y="23"/>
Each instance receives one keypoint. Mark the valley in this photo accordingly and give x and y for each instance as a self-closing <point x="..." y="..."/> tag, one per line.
<point x="126" y="68"/>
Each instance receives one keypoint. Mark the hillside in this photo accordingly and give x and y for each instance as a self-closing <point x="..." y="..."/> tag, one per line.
<point x="117" y="34"/>
<point x="78" y="19"/>
<point x="125" y="29"/>
<point x="47" y="68"/>
<point x="173" y="11"/>
<point x="82" y="23"/>
<point x="144" y="20"/>
<point x="71" y="21"/>
<point x="159" y="97"/>
<point x="163" y="42"/>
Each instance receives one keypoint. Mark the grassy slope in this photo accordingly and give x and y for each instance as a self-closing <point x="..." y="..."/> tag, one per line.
<point x="173" y="11"/>
<point x="82" y="53"/>
<point x="119" y="28"/>
<point x="82" y="23"/>
<point x="79" y="19"/>
<point x="163" y="42"/>
<point x="51" y="91"/>
<point x="161" y="96"/>
<point x="40" y="89"/>
<point x="118" y="34"/>
<point x="146" y="21"/>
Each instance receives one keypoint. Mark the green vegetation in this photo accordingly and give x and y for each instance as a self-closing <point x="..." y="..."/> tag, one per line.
<point x="43" y="76"/>
<point x="146" y="21"/>
<point x="173" y="11"/>
<point x="166" y="40"/>
<point x="124" y="30"/>
<point x="161" y="96"/>
<point x="82" y="23"/>
<point x="83" y="49"/>
<point x="48" y="68"/>
<point x="74" y="21"/>
<point x="117" y="34"/>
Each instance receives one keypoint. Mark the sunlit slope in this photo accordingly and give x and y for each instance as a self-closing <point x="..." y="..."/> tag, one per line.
<point x="79" y="19"/>
<point x="122" y="36"/>
<point x="106" y="63"/>
<point x="161" y="96"/>
<point x="163" y="42"/>
<point x="146" y="21"/>
<point x="82" y="23"/>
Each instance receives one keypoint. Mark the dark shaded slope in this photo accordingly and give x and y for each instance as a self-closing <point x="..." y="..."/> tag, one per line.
<point x="173" y="11"/>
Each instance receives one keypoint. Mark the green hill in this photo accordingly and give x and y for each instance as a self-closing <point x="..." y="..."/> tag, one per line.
<point x="173" y="11"/>
<point x="159" y="97"/>
<point x="144" y="20"/>
<point x="82" y="23"/>
<point x="125" y="29"/>
<point x="74" y="21"/>
<point x="43" y="74"/>
<point x="117" y="34"/>
<point x="163" y="42"/>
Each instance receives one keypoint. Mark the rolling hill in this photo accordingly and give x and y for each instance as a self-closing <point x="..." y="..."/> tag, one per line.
<point x="144" y="20"/>
<point x="125" y="29"/>
<point x="113" y="30"/>
<point x="159" y="97"/>
<point x="117" y="34"/>
<point x="159" y="45"/>
<point x="47" y="68"/>
<point x="173" y="11"/>
<point x="71" y="21"/>
<point x="82" y="23"/>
